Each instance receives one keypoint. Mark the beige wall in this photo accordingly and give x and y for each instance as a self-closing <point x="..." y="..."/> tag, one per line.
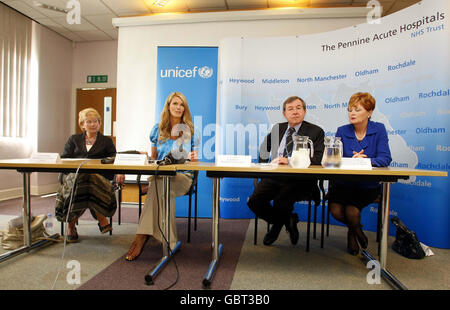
<point x="55" y="77"/>
<point x="92" y="58"/>
<point x="54" y="59"/>
<point x="63" y="67"/>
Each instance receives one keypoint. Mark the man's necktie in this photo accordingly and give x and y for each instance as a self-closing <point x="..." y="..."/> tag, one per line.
<point x="289" y="144"/>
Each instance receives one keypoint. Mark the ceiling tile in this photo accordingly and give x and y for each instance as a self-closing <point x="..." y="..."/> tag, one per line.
<point x="94" y="35"/>
<point x="171" y="6"/>
<point x="399" y="5"/>
<point x="101" y="21"/>
<point x="203" y="5"/>
<point x="50" y="23"/>
<point x="238" y="4"/>
<point x="98" y="14"/>
<point x="83" y="26"/>
<point x="94" y="7"/>
<point x="288" y="3"/>
<point x="126" y="7"/>
<point x="71" y="36"/>
<point x="332" y="2"/>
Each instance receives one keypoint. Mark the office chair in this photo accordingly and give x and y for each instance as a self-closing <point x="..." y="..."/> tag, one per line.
<point x="314" y="196"/>
<point x="192" y="191"/>
<point x="118" y="195"/>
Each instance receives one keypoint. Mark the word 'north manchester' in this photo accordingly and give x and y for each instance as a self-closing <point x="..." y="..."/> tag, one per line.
<point x="321" y="78"/>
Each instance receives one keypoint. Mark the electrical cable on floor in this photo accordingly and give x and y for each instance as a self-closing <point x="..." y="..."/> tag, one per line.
<point x="66" y="221"/>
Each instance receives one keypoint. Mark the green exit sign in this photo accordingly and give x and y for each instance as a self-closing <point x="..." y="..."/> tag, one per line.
<point x="97" y="78"/>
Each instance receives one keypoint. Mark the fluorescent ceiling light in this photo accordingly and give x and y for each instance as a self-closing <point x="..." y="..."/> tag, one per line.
<point x="160" y="3"/>
<point x="50" y="7"/>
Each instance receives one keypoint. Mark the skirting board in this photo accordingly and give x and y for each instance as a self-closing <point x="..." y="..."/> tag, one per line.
<point x="12" y="193"/>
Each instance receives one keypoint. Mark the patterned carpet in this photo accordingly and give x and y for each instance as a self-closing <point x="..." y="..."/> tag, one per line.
<point x="243" y="266"/>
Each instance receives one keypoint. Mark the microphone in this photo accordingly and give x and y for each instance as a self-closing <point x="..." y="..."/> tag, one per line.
<point x="108" y="160"/>
<point x="170" y="159"/>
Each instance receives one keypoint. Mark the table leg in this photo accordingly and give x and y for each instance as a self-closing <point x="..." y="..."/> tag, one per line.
<point x="384" y="239"/>
<point x="216" y="247"/>
<point x="167" y="252"/>
<point x="26" y="209"/>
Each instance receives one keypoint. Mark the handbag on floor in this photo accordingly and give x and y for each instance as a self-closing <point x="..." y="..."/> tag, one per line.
<point x="406" y="242"/>
<point x="12" y="238"/>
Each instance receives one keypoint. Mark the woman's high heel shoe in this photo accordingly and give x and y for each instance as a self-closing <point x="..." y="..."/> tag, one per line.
<point x="104" y="229"/>
<point x="352" y="244"/>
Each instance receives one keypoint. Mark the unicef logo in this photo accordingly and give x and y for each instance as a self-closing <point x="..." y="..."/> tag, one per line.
<point x="205" y="72"/>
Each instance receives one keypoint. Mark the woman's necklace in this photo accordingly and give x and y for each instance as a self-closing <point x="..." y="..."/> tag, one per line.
<point x="360" y="137"/>
<point x="90" y="141"/>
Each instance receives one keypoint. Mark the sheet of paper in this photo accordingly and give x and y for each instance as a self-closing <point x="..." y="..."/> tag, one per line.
<point x="130" y="159"/>
<point x="356" y="164"/>
<point x="48" y="158"/>
<point x="234" y="160"/>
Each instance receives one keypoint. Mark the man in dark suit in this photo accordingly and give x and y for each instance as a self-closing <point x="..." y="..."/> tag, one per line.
<point x="276" y="148"/>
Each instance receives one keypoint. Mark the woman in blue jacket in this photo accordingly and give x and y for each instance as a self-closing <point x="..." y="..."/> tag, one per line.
<point x="175" y="129"/>
<point x="362" y="138"/>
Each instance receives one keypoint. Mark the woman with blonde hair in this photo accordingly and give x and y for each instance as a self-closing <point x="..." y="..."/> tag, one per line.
<point x="93" y="191"/>
<point x="175" y="135"/>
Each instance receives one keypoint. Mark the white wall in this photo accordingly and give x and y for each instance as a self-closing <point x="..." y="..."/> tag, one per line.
<point x="137" y="55"/>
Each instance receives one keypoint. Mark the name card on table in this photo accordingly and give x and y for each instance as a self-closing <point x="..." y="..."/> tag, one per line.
<point x="234" y="160"/>
<point x="130" y="159"/>
<point x="356" y="163"/>
<point x="47" y="158"/>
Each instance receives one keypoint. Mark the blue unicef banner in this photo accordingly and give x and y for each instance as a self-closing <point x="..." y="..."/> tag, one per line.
<point x="402" y="61"/>
<point x="193" y="72"/>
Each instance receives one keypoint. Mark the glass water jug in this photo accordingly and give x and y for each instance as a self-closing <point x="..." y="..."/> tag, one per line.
<point x="301" y="153"/>
<point x="333" y="152"/>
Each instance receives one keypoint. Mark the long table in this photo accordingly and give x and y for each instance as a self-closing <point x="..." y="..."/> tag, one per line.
<point x="27" y="166"/>
<point x="384" y="175"/>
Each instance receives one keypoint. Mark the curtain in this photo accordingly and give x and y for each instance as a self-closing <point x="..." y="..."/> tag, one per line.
<point x="15" y="54"/>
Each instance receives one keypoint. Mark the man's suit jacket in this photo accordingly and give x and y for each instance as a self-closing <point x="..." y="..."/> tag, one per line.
<point x="269" y="148"/>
